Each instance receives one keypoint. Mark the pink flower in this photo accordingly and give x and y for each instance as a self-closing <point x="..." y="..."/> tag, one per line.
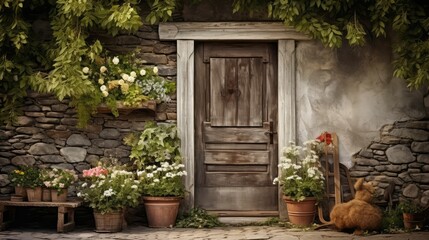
<point x="95" y="172"/>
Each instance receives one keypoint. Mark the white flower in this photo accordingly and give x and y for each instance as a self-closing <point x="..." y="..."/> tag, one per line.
<point x="103" y="88"/>
<point x="109" y="192"/>
<point x="134" y="187"/>
<point x="156" y="180"/>
<point x="142" y="72"/>
<point x="115" y="60"/>
<point x="155" y="70"/>
<point x="85" y="70"/>
<point x="79" y="194"/>
<point x="121" y="82"/>
<point x="62" y="185"/>
<point x="311" y="172"/>
<point x="131" y="79"/>
<point x="125" y="76"/>
<point x="84" y="184"/>
<point x="275" y="181"/>
<point x="103" y="69"/>
<point x="101" y="81"/>
<point x="133" y="74"/>
<point x="105" y="94"/>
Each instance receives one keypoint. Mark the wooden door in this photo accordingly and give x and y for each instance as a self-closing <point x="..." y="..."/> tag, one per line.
<point x="235" y="123"/>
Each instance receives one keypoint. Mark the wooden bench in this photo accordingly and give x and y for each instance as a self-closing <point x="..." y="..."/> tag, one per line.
<point x="63" y="208"/>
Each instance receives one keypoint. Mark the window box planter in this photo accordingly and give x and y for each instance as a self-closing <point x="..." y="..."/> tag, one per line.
<point x="125" y="110"/>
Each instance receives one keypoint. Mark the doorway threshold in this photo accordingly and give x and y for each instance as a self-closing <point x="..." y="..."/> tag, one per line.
<point x="243" y="220"/>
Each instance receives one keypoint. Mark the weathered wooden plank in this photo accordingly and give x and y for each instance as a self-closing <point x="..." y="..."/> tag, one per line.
<point x="237" y="157"/>
<point x="244" y="213"/>
<point x="236" y="135"/>
<point x="223" y="179"/>
<point x="217" y="84"/>
<point x="255" y="84"/>
<point x="228" y="31"/>
<point x="72" y="204"/>
<point x="238" y="198"/>
<point x="238" y="50"/>
<point x="286" y="100"/>
<point x="236" y="168"/>
<point x="235" y="146"/>
<point x="185" y="112"/>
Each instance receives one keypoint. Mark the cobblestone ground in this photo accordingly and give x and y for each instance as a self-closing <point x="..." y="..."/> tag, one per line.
<point x="225" y="233"/>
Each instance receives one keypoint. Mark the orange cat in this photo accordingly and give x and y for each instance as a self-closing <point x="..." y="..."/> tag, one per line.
<point x="358" y="214"/>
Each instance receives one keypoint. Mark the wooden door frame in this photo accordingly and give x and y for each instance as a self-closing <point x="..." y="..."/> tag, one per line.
<point x="186" y="33"/>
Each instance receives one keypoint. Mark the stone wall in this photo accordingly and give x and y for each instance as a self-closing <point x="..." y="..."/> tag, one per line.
<point x="46" y="135"/>
<point x="400" y="156"/>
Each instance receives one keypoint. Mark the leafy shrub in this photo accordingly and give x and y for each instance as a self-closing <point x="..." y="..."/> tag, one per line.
<point x="198" y="218"/>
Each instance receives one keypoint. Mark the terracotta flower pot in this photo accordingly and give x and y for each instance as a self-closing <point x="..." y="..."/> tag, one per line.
<point x="34" y="194"/>
<point x="108" y="222"/>
<point x="59" y="196"/>
<point x="301" y="213"/>
<point x="412" y="220"/>
<point x="161" y="211"/>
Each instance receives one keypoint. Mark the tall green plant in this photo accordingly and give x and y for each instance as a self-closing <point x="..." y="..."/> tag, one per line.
<point x="157" y="143"/>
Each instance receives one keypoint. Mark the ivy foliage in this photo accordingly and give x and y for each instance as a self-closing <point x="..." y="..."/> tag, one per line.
<point x="356" y="22"/>
<point x="155" y="144"/>
<point x="53" y="63"/>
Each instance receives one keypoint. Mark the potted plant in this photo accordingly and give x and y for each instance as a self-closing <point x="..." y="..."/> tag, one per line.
<point x="301" y="181"/>
<point x="33" y="184"/>
<point x="162" y="190"/>
<point x="58" y="180"/>
<point x="17" y="178"/>
<point x="412" y="213"/>
<point x="156" y="155"/>
<point x="109" y="190"/>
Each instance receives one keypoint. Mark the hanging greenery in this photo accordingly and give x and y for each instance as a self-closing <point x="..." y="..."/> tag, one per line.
<point x="53" y="64"/>
<point x="356" y="21"/>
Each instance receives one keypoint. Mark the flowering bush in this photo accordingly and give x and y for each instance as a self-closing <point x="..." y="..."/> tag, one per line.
<point x="95" y="172"/>
<point x="156" y="153"/>
<point x="18" y="176"/>
<point x="300" y="175"/>
<point x="124" y="80"/>
<point x="164" y="180"/>
<point x="58" y="179"/>
<point x="26" y="176"/>
<point x="110" y="189"/>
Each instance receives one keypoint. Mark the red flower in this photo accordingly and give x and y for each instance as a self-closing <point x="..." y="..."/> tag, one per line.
<point x="325" y="137"/>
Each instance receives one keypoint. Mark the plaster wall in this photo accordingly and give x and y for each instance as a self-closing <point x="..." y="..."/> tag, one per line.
<point x="350" y="91"/>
